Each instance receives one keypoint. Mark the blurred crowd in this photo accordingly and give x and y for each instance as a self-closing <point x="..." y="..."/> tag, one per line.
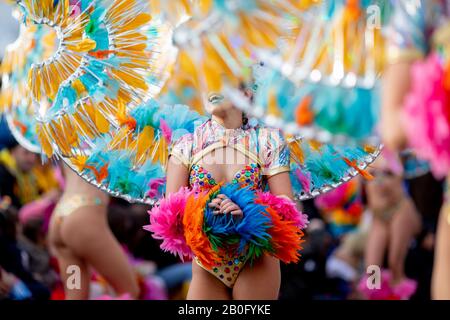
<point x="350" y="229"/>
<point x="388" y="221"/>
<point x="28" y="269"/>
<point x="353" y="230"/>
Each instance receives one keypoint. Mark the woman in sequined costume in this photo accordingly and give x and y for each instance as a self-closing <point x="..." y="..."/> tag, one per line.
<point x="226" y="148"/>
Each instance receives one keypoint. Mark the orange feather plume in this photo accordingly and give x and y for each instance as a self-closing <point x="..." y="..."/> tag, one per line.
<point x="354" y="165"/>
<point x="196" y="239"/>
<point x="101" y="174"/>
<point x="286" y="237"/>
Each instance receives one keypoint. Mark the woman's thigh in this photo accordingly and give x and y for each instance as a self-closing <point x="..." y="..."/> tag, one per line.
<point x="260" y="281"/>
<point x="204" y="286"/>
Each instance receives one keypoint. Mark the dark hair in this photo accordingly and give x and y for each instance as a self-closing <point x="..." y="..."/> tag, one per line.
<point x="8" y="223"/>
<point x="243" y="87"/>
<point x="33" y="229"/>
<point x="121" y="222"/>
<point x="244" y="119"/>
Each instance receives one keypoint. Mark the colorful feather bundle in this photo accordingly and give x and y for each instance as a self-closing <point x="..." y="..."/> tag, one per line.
<point x="427" y="114"/>
<point x="243" y="235"/>
<point x="132" y="163"/>
<point x="285" y="227"/>
<point x="342" y="208"/>
<point x="285" y="207"/>
<point x="304" y="104"/>
<point x="317" y="168"/>
<point x="166" y="220"/>
<point x="34" y="44"/>
<point x="188" y="226"/>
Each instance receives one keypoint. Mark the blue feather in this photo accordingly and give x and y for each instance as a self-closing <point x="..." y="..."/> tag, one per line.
<point x="144" y="115"/>
<point x="250" y="229"/>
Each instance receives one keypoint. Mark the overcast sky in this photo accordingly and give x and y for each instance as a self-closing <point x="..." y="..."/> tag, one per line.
<point x="9" y="27"/>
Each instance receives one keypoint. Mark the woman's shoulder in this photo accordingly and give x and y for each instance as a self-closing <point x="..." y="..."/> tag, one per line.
<point x="190" y="136"/>
<point x="181" y="148"/>
<point x="269" y="134"/>
<point x="184" y="139"/>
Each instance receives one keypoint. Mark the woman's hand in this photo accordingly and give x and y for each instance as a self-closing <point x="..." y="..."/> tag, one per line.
<point x="7" y="281"/>
<point x="224" y="205"/>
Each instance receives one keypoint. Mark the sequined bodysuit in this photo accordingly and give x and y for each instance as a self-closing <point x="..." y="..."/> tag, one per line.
<point x="265" y="152"/>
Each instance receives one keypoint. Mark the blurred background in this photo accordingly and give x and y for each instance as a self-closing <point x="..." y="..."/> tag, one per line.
<point x="335" y="248"/>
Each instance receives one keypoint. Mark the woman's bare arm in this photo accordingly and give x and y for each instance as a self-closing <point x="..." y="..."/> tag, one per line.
<point x="280" y="185"/>
<point x="396" y="84"/>
<point x="177" y="175"/>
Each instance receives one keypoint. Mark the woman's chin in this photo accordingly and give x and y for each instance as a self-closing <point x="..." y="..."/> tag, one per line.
<point x="220" y="110"/>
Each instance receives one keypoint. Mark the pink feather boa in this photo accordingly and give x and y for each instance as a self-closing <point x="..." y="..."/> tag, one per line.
<point x="285" y="207"/>
<point x="426" y="115"/>
<point x="166" y="223"/>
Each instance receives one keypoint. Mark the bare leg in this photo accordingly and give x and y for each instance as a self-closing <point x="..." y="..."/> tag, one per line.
<point x="66" y="260"/>
<point x="204" y="286"/>
<point x="87" y="234"/>
<point x="376" y="243"/>
<point x="261" y="281"/>
<point x="88" y="242"/>
<point x="441" y="274"/>
<point x="404" y="226"/>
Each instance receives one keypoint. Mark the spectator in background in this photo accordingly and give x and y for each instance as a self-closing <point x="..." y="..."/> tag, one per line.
<point x="427" y="194"/>
<point x="126" y="222"/>
<point x="16" y="164"/>
<point x="32" y="241"/>
<point x="414" y="103"/>
<point x="395" y="224"/>
<point x="22" y="178"/>
<point x="346" y="263"/>
<point x="16" y="280"/>
<point x="12" y="288"/>
<point x="79" y="235"/>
